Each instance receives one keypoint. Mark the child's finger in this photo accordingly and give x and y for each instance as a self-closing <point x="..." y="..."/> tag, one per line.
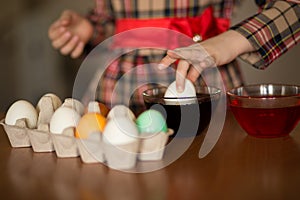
<point x="78" y="50"/>
<point x="181" y="72"/>
<point x="68" y="48"/>
<point x="55" y="33"/>
<point x="59" y="42"/>
<point x="166" y="62"/>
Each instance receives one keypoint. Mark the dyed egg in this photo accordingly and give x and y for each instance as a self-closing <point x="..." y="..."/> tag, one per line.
<point x="74" y="104"/>
<point x="184" y="97"/>
<point x="90" y="123"/>
<point x="151" y="122"/>
<point x="121" y="111"/>
<point x="22" y="109"/>
<point x="97" y="107"/>
<point x="63" y="118"/>
<point x="119" y="131"/>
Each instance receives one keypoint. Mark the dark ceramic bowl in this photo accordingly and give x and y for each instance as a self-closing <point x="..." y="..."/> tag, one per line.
<point x="190" y="115"/>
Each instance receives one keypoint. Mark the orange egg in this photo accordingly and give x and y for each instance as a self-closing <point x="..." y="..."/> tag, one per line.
<point x="89" y="123"/>
<point x="97" y="107"/>
<point x="104" y="109"/>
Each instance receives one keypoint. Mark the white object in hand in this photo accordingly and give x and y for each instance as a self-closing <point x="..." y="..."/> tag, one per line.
<point x="187" y="96"/>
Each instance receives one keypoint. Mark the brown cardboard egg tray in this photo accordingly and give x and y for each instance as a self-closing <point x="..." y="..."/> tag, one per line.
<point x="65" y="145"/>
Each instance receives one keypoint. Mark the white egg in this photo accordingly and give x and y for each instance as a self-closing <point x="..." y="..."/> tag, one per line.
<point x="74" y="104"/>
<point x="121" y="111"/>
<point x="188" y="95"/>
<point x="22" y="109"/>
<point x="119" y="131"/>
<point x="63" y="118"/>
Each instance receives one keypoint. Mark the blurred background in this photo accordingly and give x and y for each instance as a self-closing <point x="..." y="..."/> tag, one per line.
<point x="30" y="67"/>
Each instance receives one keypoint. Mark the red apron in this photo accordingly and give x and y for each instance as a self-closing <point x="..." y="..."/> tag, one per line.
<point x="167" y="33"/>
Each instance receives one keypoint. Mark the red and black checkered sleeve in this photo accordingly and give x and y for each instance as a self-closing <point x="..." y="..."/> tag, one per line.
<point x="272" y="32"/>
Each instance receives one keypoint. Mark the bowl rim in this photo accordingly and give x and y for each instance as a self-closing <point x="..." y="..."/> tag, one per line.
<point x="211" y="94"/>
<point x="231" y="94"/>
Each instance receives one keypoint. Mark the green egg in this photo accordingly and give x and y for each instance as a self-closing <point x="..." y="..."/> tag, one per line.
<point x="151" y="122"/>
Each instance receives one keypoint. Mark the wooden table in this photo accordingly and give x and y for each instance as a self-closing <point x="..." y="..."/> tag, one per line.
<point x="239" y="167"/>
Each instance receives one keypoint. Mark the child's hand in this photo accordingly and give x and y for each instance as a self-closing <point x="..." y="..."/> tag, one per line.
<point x="213" y="52"/>
<point x="192" y="61"/>
<point x="70" y="33"/>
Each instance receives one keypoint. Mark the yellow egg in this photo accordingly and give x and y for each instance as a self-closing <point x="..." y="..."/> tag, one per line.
<point x="89" y="123"/>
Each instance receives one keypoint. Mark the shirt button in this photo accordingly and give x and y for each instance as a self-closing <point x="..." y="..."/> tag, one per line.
<point x="197" y="38"/>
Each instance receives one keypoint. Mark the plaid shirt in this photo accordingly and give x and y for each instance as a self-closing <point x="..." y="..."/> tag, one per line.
<point x="135" y="71"/>
<point x="272" y="32"/>
<point x="107" y="11"/>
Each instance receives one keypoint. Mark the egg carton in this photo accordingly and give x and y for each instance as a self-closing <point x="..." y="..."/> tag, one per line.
<point x="152" y="148"/>
<point x="90" y="150"/>
<point x="17" y="134"/>
<point x="121" y="156"/>
<point x="65" y="144"/>
<point x="41" y="141"/>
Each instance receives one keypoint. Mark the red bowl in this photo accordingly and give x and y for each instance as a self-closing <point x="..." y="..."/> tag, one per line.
<point x="266" y="110"/>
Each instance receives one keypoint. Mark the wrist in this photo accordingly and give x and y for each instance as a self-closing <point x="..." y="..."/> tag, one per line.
<point x="227" y="46"/>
